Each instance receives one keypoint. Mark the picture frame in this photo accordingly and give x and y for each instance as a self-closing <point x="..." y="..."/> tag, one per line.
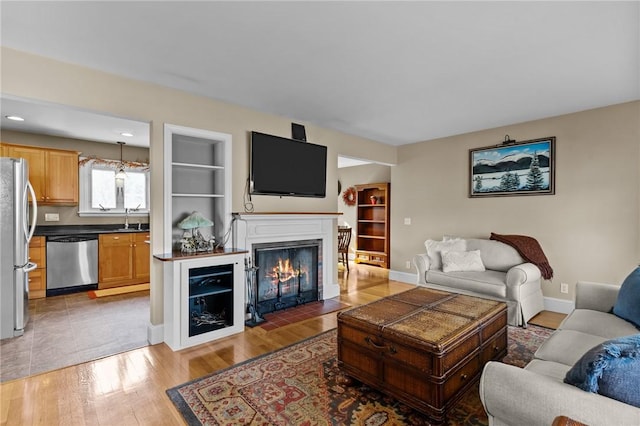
<point x="511" y="169"/>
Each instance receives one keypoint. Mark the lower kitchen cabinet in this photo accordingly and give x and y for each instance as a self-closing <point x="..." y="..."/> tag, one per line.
<point x="141" y="257"/>
<point x="123" y="259"/>
<point x="38" y="277"/>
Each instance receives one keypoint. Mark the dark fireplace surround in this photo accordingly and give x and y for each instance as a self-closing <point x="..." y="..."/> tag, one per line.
<point x="288" y="274"/>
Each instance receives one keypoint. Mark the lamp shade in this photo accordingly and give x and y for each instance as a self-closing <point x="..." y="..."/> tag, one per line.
<point x="194" y="220"/>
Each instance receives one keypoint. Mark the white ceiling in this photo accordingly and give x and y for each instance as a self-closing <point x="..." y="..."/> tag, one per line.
<point x="62" y="121"/>
<point x="395" y="72"/>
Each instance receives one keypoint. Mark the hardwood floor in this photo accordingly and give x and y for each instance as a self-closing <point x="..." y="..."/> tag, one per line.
<point x="129" y="388"/>
<point x="548" y="319"/>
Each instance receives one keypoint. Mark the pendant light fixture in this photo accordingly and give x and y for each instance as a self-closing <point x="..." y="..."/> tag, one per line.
<point x="120" y="174"/>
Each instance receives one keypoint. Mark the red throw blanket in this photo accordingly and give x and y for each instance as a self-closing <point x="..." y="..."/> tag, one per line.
<point x="529" y="249"/>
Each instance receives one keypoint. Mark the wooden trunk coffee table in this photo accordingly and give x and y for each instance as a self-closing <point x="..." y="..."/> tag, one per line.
<point x="424" y="347"/>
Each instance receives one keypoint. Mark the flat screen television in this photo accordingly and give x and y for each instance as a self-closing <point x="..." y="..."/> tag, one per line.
<point x="287" y="167"/>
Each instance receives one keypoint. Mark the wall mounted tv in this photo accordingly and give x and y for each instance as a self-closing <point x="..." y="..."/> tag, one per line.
<point x="287" y="167"/>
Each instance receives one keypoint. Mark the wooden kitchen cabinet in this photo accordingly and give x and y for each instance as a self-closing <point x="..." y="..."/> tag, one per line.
<point x="123" y="259"/>
<point x="52" y="172"/>
<point x="38" y="277"/>
<point x="61" y="177"/>
<point x="141" y="257"/>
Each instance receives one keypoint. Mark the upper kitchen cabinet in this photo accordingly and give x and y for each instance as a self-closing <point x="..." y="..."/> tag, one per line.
<point x="198" y="178"/>
<point x="52" y="172"/>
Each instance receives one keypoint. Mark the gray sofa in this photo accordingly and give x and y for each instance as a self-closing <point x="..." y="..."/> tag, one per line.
<point x="537" y="394"/>
<point x="507" y="277"/>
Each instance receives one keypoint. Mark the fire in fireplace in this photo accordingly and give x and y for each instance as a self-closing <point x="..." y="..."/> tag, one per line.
<point x="286" y="275"/>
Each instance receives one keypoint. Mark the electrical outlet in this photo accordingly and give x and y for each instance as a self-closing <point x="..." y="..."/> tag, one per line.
<point x="408" y="264"/>
<point x="51" y="217"/>
<point x="407" y="221"/>
<point x="564" y="288"/>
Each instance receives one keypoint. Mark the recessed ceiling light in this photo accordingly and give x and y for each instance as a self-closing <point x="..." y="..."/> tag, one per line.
<point x="127" y="134"/>
<point x="14" y="117"/>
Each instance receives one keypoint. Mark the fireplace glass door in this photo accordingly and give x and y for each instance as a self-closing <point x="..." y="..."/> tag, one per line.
<point x="210" y="298"/>
<point x="287" y="275"/>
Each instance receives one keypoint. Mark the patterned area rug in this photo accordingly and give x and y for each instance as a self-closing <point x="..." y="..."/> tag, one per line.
<point x="298" y="385"/>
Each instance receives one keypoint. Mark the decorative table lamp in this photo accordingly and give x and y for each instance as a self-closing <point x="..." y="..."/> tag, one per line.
<point x="195" y="242"/>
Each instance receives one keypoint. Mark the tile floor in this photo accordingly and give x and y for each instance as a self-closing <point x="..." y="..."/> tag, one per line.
<point x="292" y="315"/>
<point x="71" y="329"/>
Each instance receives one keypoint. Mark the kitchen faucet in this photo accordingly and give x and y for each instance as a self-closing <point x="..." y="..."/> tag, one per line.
<point x="126" y="218"/>
<point x="127" y="211"/>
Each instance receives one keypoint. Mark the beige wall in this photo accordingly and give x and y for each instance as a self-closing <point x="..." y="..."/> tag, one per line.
<point x="350" y="176"/>
<point x="29" y="76"/>
<point x="589" y="229"/>
<point x="69" y="215"/>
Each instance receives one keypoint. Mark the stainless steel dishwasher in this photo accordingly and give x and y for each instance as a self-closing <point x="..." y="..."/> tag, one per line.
<point x="72" y="263"/>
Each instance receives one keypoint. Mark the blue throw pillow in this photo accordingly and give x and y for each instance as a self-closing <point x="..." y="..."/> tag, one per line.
<point x="627" y="305"/>
<point x="610" y="369"/>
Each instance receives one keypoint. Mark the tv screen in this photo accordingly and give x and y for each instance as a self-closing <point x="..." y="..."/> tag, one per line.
<point x="281" y="166"/>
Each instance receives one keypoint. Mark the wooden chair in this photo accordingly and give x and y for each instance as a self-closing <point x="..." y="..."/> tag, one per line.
<point x="344" y="238"/>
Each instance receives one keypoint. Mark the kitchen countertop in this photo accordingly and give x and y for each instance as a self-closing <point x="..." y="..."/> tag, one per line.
<point x="56" y="230"/>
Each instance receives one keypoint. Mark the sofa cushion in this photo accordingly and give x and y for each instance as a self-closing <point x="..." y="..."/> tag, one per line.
<point x="434" y="249"/>
<point x="461" y="261"/>
<point x="567" y="346"/>
<point x="611" y="368"/>
<point x="552" y="369"/>
<point x="628" y="303"/>
<point x="490" y="283"/>
<point x="598" y="323"/>
<point x="495" y="255"/>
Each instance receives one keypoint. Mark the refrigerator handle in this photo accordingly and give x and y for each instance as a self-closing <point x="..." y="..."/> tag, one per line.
<point x="34" y="216"/>
<point x="30" y="267"/>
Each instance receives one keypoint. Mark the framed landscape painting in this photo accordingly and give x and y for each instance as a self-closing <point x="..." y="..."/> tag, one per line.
<point x="522" y="168"/>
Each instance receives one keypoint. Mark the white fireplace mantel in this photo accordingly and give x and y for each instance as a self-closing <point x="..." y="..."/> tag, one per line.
<point x="258" y="228"/>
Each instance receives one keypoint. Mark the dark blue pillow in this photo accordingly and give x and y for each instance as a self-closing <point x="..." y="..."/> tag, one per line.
<point x="627" y="305"/>
<point x="611" y="369"/>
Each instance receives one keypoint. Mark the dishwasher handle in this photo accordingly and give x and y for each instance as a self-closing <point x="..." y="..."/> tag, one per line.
<point x="71" y="238"/>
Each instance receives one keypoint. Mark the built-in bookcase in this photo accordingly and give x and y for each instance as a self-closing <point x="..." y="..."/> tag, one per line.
<point x="373" y="225"/>
<point x="198" y="177"/>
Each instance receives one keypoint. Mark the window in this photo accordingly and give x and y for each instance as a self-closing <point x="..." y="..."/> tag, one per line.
<point x="103" y="189"/>
<point x="102" y="194"/>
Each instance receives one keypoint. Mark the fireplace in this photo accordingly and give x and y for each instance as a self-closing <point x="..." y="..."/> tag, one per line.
<point x="255" y="230"/>
<point x="287" y="274"/>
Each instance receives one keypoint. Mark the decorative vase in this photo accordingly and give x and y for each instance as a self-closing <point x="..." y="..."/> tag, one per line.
<point x="373" y="199"/>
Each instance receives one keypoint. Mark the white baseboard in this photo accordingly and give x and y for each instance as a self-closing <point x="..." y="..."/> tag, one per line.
<point x="405" y="277"/>
<point x="562" y="306"/>
<point x="155" y="334"/>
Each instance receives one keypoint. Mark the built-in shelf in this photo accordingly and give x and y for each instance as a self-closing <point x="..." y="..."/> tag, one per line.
<point x="197" y="166"/>
<point x="209" y="290"/>
<point x="198" y="177"/>
<point x="373" y="224"/>
<point x="199" y="195"/>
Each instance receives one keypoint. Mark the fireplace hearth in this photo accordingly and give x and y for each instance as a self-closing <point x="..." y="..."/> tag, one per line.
<point x="286" y="274"/>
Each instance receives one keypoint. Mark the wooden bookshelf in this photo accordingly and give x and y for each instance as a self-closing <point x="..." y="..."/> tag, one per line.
<point x="373" y="224"/>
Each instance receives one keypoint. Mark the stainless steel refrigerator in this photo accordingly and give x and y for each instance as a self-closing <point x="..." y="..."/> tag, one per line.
<point x="16" y="231"/>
